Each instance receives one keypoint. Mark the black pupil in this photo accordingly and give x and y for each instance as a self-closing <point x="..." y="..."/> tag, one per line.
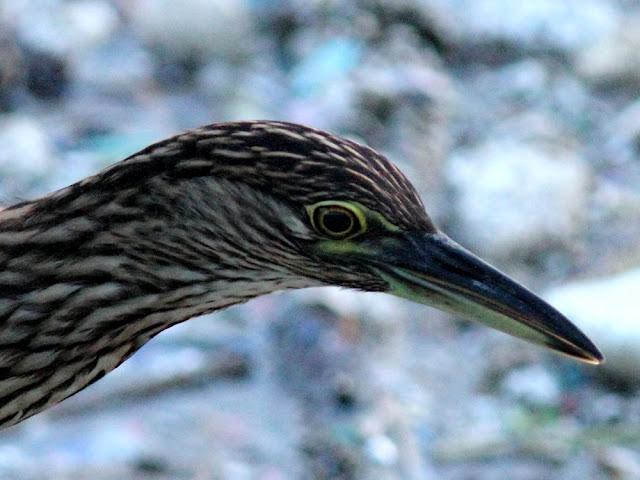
<point x="337" y="221"/>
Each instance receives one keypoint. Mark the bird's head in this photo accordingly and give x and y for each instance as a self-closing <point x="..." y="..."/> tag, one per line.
<point x="303" y="204"/>
<point x="211" y="218"/>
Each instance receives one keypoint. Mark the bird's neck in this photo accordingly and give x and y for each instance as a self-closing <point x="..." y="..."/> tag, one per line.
<point x="130" y="266"/>
<point x="87" y="278"/>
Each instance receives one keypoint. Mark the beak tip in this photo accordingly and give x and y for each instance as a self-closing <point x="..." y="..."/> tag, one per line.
<point x="596" y="358"/>
<point x="590" y="353"/>
<point x="586" y="353"/>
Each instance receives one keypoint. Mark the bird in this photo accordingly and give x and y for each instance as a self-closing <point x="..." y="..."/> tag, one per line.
<point x="214" y="217"/>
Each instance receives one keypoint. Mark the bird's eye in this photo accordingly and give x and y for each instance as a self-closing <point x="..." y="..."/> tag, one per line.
<point x="337" y="220"/>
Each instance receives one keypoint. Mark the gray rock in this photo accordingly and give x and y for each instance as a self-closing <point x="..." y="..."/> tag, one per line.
<point x="536" y="91"/>
<point x="512" y="198"/>
<point x="534" y="385"/>
<point x="27" y="153"/>
<point x="473" y="444"/>
<point x="382" y="450"/>
<point x="61" y="28"/>
<point x="120" y="69"/>
<point x="539" y="25"/>
<point x="614" y="222"/>
<point x="607" y="310"/>
<point x="57" y="37"/>
<point x="12" y="68"/>
<point x="206" y="28"/>
<point x="622" y="133"/>
<point x="620" y="462"/>
<point x="615" y="58"/>
<point x="47" y="75"/>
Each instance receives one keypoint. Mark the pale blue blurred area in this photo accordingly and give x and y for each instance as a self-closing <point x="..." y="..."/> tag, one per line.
<point x="518" y="122"/>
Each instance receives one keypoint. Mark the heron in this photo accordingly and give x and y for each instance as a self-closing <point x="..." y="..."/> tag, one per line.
<point x="213" y="217"/>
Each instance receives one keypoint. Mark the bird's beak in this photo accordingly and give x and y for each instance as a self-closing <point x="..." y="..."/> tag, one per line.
<point x="434" y="270"/>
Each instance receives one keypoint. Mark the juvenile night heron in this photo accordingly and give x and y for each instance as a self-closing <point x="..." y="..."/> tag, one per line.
<point x="214" y="217"/>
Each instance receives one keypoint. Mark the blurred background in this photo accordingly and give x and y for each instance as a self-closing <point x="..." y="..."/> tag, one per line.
<point x="518" y="122"/>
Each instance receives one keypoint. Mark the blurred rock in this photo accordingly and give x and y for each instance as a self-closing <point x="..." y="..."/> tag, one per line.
<point x="512" y="198"/>
<point x="56" y="36"/>
<point x="120" y="68"/>
<point x="531" y="98"/>
<point x="534" y="385"/>
<point x="203" y="29"/>
<point x="312" y="358"/>
<point x="60" y="28"/>
<point x="382" y="450"/>
<point x="325" y="64"/>
<point x="377" y="308"/>
<point x="606" y="309"/>
<point x="11" y="67"/>
<point x="27" y="154"/>
<point x="620" y="462"/>
<point x="257" y="88"/>
<point x="47" y="75"/>
<point x="474" y="444"/>
<point x="543" y="25"/>
<point x="614" y="222"/>
<point x="311" y="354"/>
<point x="622" y="134"/>
<point x="615" y="58"/>
<point x="328" y="459"/>
<point x="545" y="435"/>
<point x="608" y="409"/>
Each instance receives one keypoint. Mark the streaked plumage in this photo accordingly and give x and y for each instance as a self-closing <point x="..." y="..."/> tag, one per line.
<point x="192" y="224"/>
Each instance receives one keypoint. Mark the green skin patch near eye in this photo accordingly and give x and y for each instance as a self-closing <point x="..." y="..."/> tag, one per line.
<point x="348" y="245"/>
<point x="343" y="247"/>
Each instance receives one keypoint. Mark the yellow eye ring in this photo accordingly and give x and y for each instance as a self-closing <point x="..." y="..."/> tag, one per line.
<point x="337" y="220"/>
